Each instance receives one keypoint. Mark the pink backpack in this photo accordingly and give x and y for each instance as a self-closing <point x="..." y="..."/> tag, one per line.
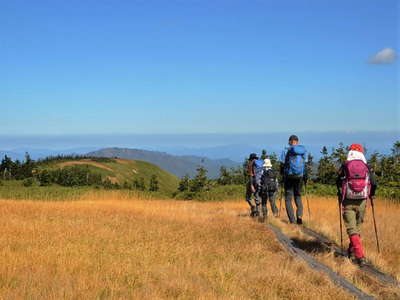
<point x="356" y="185"/>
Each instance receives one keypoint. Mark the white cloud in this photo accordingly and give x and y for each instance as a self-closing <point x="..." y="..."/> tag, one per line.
<point x="385" y="56"/>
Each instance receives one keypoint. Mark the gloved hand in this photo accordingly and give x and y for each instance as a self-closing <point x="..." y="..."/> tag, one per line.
<point x="305" y="179"/>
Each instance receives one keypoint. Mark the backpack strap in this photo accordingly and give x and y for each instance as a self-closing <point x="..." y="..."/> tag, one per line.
<point x="286" y="164"/>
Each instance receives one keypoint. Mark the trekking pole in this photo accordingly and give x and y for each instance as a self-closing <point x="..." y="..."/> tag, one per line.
<point x="376" y="230"/>
<point x="340" y="201"/>
<point x="340" y="221"/>
<point x="280" y="203"/>
<point x="308" y="203"/>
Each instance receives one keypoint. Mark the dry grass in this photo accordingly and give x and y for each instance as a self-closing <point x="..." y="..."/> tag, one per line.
<point x="388" y="221"/>
<point x="325" y="220"/>
<point x="117" y="248"/>
<point x="85" y="162"/>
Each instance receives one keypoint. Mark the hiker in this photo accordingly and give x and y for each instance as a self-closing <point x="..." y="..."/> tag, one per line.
<point x="269" y="187"/>
<point x="294" y="173"/>
<point x="254" y="170"/>
<point x="355" y="183"/>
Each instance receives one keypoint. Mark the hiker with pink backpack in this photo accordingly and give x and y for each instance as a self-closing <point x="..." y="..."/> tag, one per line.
<point x="355" y="183"/>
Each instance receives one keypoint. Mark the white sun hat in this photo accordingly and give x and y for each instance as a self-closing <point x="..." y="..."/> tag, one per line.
<point x="267" y="163"/>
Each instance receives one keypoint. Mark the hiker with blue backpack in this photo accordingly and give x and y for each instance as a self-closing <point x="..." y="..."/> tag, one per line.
<point x="294" y="174"/>
<point x="355" y="183"/>
<point x="269" y="188"/>
<point x="254" y="170"/>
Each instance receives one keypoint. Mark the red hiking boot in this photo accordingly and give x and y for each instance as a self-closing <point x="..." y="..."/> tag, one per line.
<point x="357" y="249"/>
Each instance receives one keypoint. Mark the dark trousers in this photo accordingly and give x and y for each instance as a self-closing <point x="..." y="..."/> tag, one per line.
<point x="293" y="189"/>
<point x="269" y="196"/>
<point x="250" y="194"/>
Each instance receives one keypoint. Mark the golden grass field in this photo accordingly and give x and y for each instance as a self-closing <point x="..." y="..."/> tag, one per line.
<point x="325" y="219"/>
<point x="110" y="247"/>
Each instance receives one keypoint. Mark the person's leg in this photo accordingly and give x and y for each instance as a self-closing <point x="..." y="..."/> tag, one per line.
<point x="249" y="193"/>
<point x="358" y="249"/>
<point x="271" y="198"/>
<point x="360" y="215"/>
<point x="257" y="197"/>
<point x="264" y="204"/>
<point x="351" y="208"/>
<point x="349" y="218"/>
<point x="288" y="200"/>
<point x="297" y="198"/>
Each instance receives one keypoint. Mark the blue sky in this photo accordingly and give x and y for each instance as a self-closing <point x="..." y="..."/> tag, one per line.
<point x="175" y="67"/>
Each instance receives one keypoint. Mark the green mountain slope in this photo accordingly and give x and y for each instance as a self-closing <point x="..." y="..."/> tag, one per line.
<point x="121" y="170"/>
<point x="177" y="165"/>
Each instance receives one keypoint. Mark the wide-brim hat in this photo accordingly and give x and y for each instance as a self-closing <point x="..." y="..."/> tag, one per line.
<point x="267" y="163"/>
<point x="253" y="156"/>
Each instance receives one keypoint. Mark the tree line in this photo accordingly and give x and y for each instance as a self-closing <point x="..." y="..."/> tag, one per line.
<point x="385" y="167"/>
<point x="78" y="175"/>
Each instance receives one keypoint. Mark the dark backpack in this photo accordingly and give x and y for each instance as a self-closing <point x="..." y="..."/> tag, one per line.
<point x="295" y="161"/>
<point x="268" y="181"/>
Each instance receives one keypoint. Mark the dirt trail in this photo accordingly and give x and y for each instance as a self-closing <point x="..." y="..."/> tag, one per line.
<point x="85" y="162"/>
<point x="316" y="265"/>
<point x="368" y="268"/>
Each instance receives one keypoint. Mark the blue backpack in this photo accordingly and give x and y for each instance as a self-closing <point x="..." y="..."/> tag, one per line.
<point x="295" y="161"/>
<point x="258" y="169"/>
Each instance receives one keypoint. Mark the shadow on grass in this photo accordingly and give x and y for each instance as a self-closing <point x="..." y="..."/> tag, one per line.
<point x="311" y="246"/>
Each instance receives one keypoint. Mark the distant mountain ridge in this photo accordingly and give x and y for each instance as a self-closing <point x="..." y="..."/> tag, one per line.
<point x="177" y="165"/>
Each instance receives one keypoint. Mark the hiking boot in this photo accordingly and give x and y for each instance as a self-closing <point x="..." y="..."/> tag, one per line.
<point x="264" y="211"/>
<point x="299" y="221"/>
<point x="350" y="253"/>
<point x="361" y="262"/>
<point x="253" y="211"/>
<point x="258" y="209"/>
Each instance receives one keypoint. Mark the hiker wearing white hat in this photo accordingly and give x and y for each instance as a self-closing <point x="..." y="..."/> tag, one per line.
<point x="267" y="163"/>
<point x="269" y="187"/>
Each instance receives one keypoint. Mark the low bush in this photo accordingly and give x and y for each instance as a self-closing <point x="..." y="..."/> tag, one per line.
<point x="28" y="182"/>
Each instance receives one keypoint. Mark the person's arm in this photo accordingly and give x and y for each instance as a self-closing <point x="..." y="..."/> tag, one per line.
<point x="250" y="171"/>
<point x="374" y="183"/>
<point x="305" y="172"/>
<point x="282" y="160"/>
<point x="339" y="181"/>
<point x="251" y="168"/>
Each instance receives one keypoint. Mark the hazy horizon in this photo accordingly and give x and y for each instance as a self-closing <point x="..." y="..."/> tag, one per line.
<point x="233" y="146"/>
